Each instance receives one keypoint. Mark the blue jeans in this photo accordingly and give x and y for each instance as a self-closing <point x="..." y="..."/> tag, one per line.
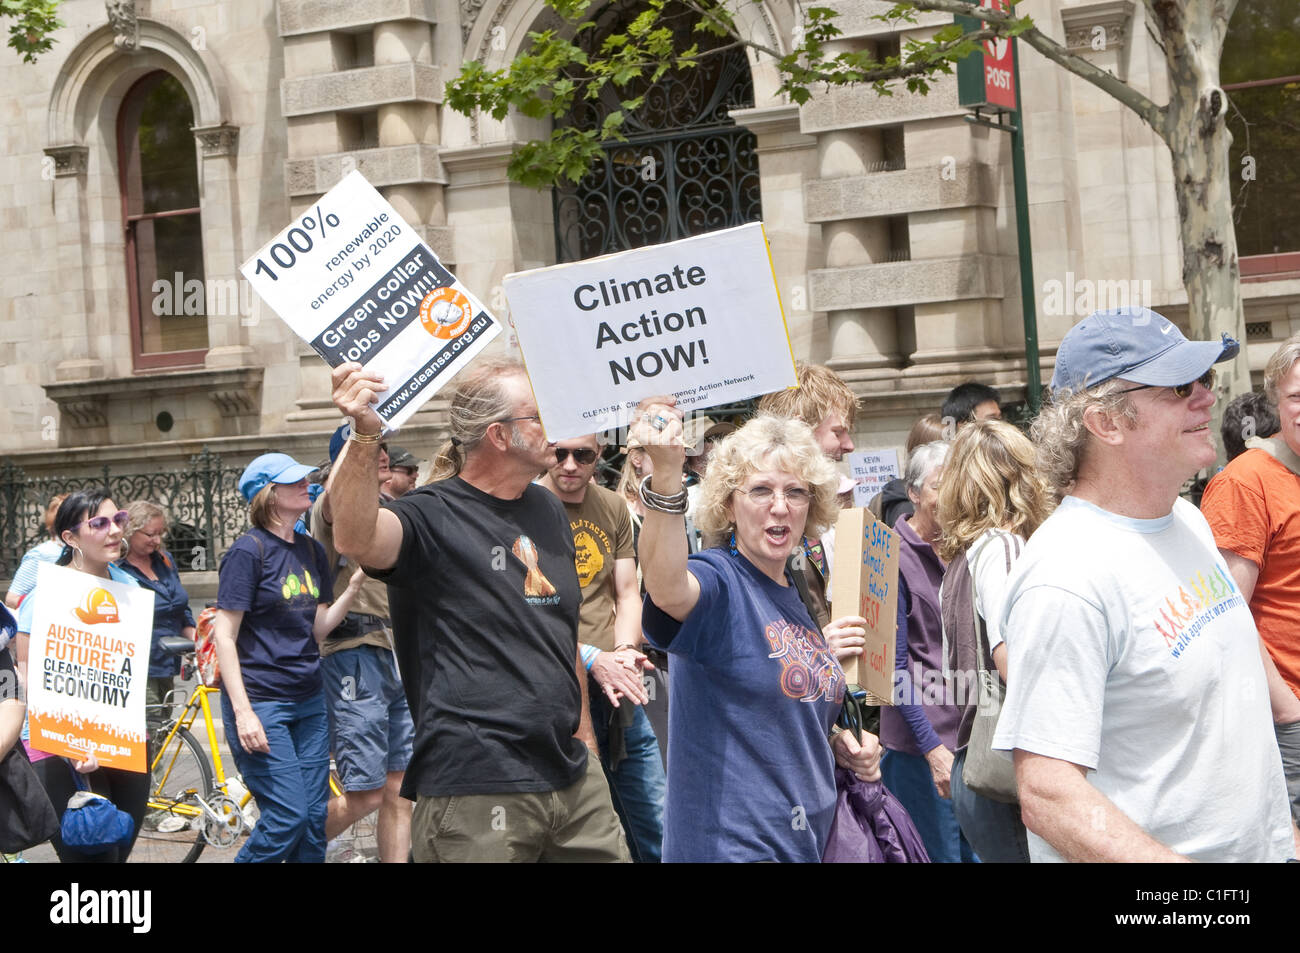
<point x="908" y="777"/>
<point x="994" y="829"/>
<point x="637" y="785"/>
<point x="290" y="782"/>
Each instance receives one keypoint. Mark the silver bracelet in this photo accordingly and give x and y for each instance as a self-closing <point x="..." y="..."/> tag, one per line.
<point x="674" y="503"/>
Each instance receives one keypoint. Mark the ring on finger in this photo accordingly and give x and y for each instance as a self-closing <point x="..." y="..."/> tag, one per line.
<point x="660" y="422"/>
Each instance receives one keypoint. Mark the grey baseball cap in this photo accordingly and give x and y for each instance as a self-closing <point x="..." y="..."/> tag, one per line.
<point x="1136" y="344"/>
<point x="401" y="457"/>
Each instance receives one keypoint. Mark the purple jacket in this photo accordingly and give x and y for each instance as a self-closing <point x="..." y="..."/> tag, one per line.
<point x="917" y="728"/>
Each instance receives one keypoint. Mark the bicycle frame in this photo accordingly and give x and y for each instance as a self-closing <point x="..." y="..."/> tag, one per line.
<point x="199" y="703"/>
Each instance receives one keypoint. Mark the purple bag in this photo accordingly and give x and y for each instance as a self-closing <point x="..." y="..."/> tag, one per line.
<point x="870" y="826"/>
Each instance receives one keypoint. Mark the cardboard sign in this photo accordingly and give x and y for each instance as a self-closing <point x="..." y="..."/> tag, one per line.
<point x="355" y="282"/>
<point x="865" y="582"/>
<point x="87" y="666"/>
<point x="698" y="318"/>
<point x="871" y="470"/>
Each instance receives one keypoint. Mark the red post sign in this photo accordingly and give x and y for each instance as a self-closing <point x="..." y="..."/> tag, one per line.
<point x="999" y="76"/>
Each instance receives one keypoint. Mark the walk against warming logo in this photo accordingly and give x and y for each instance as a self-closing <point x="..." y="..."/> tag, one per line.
<point x="538" y="590"/>
<point x="98" y="607"/>
<point x="1185" y="613"/>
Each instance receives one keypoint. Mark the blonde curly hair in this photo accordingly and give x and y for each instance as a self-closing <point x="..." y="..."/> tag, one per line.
<point x="1061" y="438"/>
<point x="767" y="442"/>
<point x="990" y="481"/>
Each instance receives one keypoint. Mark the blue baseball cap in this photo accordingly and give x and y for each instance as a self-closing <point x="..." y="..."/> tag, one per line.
<point x="338" y="439"/>
<point x="271" y="468"/>
<point x="1136" y="344"/>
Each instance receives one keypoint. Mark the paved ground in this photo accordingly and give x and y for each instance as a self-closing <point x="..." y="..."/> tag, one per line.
<point x="355" y="846"/>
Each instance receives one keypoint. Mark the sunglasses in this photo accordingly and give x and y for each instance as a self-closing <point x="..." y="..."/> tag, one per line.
<point x="99" y="524"/>
<point x="1182" y="391"/>
<point x="583" y="456"/>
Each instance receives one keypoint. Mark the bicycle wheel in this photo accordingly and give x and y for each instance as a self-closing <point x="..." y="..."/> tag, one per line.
<point x="180" y="776"/>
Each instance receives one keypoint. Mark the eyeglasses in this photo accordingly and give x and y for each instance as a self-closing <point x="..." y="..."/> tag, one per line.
<point x="1182" y="391"/>
<point x="583" y="456"/>
<point x="506" y="420"/>
<point x="795" y="497"/>
<point x="99" y="524"/>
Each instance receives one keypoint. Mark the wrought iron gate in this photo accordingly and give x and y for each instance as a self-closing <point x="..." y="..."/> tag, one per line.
<point x="686" y="168"/>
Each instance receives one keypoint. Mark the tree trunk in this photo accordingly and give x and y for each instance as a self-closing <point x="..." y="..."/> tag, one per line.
<point x="1198" y="138"/>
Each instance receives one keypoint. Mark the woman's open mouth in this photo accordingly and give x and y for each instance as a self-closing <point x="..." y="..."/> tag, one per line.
<point x="778" y="535"/>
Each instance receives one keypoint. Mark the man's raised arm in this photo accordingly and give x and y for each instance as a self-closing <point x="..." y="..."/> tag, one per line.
<point x="362" y="531"/>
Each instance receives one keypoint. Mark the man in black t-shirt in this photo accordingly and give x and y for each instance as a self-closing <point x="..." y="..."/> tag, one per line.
<point x="484" y="601"/>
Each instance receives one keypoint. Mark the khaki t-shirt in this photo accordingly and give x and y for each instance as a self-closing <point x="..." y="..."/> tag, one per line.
<point x="371" y="600"/>
<point x="602" y="533"/>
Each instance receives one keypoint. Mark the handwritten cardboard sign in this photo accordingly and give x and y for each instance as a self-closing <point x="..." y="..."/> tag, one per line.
<point x="698" y="318"/>
<point x="865" y="582"/>
<point x="355" y="282"/>
<point x="88" y="662"/>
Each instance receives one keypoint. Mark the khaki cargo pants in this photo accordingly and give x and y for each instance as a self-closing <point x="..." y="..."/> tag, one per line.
<point x="576" y="825"/>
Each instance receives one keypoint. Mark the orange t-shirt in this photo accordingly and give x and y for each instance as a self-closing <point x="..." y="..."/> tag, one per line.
<point x="1253" y="506"/>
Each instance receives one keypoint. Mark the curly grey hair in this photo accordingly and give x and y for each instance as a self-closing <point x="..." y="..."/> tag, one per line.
<point x="1061" y="437"/>
<point x="767" y="442"/>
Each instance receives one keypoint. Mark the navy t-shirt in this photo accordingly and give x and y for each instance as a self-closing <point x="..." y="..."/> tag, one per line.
<point x="277" y="585"/>
<point x="753" y="695"/>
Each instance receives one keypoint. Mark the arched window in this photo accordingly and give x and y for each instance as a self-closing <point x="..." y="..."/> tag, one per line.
<point x="159" y="179"/>
<point x="686" y="168"/>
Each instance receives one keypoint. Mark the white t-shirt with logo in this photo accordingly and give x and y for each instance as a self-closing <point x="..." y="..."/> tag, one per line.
<point x="1132" y="653"/>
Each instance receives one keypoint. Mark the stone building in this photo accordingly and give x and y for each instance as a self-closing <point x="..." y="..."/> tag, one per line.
<point x="162" y="142"/>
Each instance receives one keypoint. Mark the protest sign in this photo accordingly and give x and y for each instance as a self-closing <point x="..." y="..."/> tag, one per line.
<point x="355" y="282"/>
<point x="871" y="470"/>
<point x="865" y="582"/>
<point x="698" y="318"/>
<point x="88" y="661"/>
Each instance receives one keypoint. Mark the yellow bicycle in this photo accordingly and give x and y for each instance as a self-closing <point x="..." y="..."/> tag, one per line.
<point x="191" y="804"/>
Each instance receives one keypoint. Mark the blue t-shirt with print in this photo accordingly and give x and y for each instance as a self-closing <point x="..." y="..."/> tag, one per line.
<point x="753" y="695"/>
<point x="277" y="585"/>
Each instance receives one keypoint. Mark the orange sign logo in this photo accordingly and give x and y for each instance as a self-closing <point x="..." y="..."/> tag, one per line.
<point x="98" y="606"/>
<point x="445" y="313"/>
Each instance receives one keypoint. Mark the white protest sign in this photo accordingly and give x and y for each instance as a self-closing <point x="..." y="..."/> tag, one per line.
<point x="698" y="318"/>
<point x="355" y="282"/>
<point x="871" y="470"/>
<point x="88" y="662"/>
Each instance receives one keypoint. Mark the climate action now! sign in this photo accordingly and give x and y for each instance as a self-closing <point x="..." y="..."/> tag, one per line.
<point x="699" y="318"/>
<point x="88" y="661"/>
<point x="356" y="282"/>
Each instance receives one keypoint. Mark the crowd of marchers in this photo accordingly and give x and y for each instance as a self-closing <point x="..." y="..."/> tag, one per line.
<point x="510" y="661"/>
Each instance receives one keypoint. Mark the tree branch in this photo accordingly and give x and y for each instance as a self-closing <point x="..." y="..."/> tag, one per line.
<point x="1150" y="113"/>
